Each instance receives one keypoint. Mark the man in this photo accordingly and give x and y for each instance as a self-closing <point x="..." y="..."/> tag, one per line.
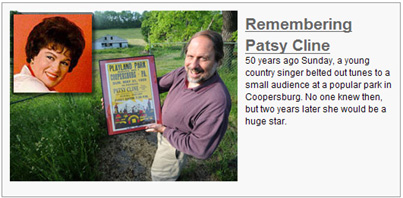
<point x="195" y="112"/>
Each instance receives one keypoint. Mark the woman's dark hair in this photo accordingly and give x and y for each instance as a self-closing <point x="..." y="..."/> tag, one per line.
<point x="56" y="33"/>
<point x="216" y="38"/>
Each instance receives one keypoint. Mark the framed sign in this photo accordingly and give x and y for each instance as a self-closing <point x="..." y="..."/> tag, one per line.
<point x="130" y="93"/>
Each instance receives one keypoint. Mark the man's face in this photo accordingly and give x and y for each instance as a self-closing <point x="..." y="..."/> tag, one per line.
<point x="200" y="61"/>
<point x="51" y="66"/>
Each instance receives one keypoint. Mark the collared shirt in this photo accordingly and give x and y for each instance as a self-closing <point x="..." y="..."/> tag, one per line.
<point x="195" y="118"/>
<point x="25" y="82"/>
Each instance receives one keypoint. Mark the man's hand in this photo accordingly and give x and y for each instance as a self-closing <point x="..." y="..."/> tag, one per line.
<point x="102" y="101"/>
<point x="155" y="128"/>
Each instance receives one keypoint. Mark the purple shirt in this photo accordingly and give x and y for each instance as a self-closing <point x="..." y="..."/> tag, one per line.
<point x="196" y="119"/>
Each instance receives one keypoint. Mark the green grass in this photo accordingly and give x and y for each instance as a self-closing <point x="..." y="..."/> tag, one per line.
<point x="55" y="137"/>
<point x="227" y="153"/>
<point x="167" y="58"/>
<point x="51" y="138"/>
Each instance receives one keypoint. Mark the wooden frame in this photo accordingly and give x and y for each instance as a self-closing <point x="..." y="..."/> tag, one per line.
<point x="130" y="93"/>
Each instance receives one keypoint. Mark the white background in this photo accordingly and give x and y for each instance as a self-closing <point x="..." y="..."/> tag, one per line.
<point x="325" y="154"/>
<point x="314" y="155"/>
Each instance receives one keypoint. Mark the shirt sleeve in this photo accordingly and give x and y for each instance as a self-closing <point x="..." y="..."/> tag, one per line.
<point x="209" y="127"/>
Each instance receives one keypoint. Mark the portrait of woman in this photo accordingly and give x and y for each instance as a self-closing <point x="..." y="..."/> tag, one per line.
<point x="53" y="49"/>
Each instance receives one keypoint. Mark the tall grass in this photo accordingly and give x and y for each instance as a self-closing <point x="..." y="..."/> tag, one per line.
<point x="55" y="137"/>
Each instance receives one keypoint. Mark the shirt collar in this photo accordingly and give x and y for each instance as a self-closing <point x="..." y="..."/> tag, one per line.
<point x="27" y="70"/>
<point x="30" y="70"/>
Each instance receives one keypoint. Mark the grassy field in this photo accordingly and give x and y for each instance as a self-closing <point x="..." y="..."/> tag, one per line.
<point x="56" y="137"/>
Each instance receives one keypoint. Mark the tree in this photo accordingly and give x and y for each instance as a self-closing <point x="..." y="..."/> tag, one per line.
<point x="146" y="22"/>
<point x="178" y="26"/>
<point x="112" y="19"/>
<point x="229" y="27"/>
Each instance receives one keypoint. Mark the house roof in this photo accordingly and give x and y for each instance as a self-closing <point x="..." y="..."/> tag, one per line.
<point x="115" y="39"/>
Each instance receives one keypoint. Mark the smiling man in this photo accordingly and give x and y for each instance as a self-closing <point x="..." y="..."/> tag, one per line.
<point x="195" y="112"/>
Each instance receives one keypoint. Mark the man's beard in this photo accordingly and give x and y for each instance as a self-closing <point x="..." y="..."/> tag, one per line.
<point x="202" y="77"/>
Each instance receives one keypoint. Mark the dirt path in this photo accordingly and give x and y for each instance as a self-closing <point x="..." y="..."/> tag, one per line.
<point x="127" y="157"/>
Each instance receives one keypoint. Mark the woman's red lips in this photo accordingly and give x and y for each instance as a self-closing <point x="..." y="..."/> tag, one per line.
<point x="51" y="75"/>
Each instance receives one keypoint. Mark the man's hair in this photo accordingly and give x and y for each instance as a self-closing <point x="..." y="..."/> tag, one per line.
<point x="56" y="33"/>
<point x="216" y="38"/>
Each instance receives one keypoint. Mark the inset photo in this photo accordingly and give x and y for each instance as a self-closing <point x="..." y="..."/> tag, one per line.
<point x="52" y="53"/>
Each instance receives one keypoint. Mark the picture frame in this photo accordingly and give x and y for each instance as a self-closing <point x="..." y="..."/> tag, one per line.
<point x="130" y="93"/>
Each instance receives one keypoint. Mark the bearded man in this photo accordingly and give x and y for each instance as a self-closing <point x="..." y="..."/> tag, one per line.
<point x="195" y="112"/>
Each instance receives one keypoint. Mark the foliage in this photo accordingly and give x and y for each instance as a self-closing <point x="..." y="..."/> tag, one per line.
<point x="112" y="19"/>
<point x="146" y="23"/>
<point x="178" y="26"/>
<point x="234" y="37"/>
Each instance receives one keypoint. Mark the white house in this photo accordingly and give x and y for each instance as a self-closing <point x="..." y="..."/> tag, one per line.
<point x="109" y="41"/>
